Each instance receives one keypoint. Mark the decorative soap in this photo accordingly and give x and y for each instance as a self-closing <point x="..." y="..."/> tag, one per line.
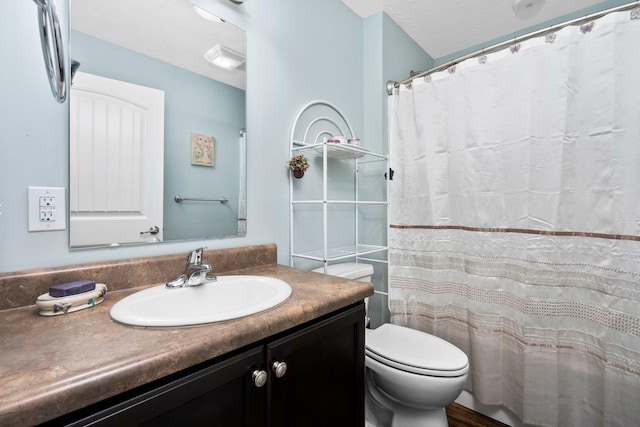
<point x="72" y="288"/>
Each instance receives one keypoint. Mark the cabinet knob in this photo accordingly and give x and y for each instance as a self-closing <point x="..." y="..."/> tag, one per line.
<point x="259" y="378"/>
<point x="279" y="368"/>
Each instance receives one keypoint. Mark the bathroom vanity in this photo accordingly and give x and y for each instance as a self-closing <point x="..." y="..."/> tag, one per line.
<point x="321" y="381"/>
<point x="84" y="367"/>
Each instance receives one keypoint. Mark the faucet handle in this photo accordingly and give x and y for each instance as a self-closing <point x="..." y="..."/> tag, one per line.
<point x="195" y="257"/>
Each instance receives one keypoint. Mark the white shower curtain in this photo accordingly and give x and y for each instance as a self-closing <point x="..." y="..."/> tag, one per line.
<point x="515" y="221"/>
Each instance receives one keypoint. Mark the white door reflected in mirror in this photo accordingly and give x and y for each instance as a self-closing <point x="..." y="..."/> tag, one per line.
<point x="116" y="162"/>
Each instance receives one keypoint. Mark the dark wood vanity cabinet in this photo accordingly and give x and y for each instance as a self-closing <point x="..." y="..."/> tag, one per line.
<point x="322" y="385"/>
<point x="324" y="382"/>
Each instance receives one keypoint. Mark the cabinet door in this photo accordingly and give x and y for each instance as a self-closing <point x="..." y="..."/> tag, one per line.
<point x="324" y="381"/>
<point x="220" y="395"/>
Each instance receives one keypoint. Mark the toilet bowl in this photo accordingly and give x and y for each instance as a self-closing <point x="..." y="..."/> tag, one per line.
<point x="410" y="373"/>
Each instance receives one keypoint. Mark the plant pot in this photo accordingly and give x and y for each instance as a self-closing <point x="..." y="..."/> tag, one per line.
<point x="298" y="173"/>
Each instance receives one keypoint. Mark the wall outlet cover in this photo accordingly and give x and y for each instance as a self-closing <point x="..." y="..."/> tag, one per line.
<point x="47" y="208"/>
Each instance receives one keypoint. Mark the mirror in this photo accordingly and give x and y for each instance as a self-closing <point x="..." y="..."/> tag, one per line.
<point x="157" y="132"/>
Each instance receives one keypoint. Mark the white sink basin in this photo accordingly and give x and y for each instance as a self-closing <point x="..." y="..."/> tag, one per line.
<point x="228" y="298"/>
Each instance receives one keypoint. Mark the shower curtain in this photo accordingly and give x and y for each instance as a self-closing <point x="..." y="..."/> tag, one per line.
<point x="515" y="221"/>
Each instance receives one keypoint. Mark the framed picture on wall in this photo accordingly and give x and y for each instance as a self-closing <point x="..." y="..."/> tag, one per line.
<point x="202" y="150"/>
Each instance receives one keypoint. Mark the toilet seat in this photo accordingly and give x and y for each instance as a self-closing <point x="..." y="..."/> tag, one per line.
<point x="415" y="352"/>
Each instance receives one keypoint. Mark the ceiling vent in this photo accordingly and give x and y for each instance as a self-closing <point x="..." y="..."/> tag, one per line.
<point x="224" y="57"/>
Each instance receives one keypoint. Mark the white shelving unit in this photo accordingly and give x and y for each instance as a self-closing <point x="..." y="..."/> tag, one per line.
<point x="315" y="123"/>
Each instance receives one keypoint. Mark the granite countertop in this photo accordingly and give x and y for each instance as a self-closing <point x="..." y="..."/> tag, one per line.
<point x="50" y="366"/>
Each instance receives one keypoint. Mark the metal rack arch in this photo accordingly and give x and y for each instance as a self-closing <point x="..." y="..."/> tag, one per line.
<point x="307" y="108"/>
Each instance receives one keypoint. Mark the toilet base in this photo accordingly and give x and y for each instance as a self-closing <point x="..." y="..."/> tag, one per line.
<point x="384" y="411"/>
<point x="408" y="417"/>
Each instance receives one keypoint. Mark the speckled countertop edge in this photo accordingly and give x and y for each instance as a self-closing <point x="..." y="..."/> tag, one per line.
<point x="50" y="366"/>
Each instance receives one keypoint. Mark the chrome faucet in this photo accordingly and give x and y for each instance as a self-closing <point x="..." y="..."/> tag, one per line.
<point x="195" y="273"/>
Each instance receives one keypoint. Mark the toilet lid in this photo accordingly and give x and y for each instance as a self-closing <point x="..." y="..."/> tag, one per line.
<point x="415" y="351"/>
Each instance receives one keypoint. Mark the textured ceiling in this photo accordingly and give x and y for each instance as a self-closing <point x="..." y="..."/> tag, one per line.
<point x="170" y="30"/>
<point x="444" y="27"/>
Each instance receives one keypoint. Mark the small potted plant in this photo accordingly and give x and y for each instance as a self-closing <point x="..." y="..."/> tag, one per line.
<point x="298" y="165"/>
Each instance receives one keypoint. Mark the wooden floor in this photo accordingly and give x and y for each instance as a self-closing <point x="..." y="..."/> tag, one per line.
<point x="459" y="416"/>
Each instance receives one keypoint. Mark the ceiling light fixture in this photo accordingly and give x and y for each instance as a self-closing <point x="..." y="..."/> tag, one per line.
<point x="224" y="57"/>
<point x="206" y="15"/>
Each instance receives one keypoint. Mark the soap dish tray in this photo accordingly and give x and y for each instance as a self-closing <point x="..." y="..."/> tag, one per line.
<point x="52" y="306"/>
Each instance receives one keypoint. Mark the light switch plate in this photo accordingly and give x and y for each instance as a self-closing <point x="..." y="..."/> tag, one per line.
<point x="47" y="209"/>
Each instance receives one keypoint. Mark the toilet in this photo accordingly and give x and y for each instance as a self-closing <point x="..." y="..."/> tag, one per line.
<point x="411" y="374"/>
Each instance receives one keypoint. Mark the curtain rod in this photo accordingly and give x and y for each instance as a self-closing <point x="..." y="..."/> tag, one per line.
<point x="499" y="46"/>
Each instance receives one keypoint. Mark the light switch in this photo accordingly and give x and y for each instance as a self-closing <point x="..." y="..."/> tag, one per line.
<point x="47" y="209"/>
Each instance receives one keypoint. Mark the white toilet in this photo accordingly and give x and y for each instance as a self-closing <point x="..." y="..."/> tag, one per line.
<point x="410" y="373"/>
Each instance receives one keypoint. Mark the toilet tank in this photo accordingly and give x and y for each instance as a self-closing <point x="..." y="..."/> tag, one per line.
<point x="349" y="270"/>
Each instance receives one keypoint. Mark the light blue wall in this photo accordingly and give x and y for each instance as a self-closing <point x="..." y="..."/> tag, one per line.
<point x="299" y="50"/>
<point x="389" y="54"/>
<point x="33" y="140"/>
<point x="401" y="54"/>
<point x="373" y="78"/>
<point x="295" y="55"/>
